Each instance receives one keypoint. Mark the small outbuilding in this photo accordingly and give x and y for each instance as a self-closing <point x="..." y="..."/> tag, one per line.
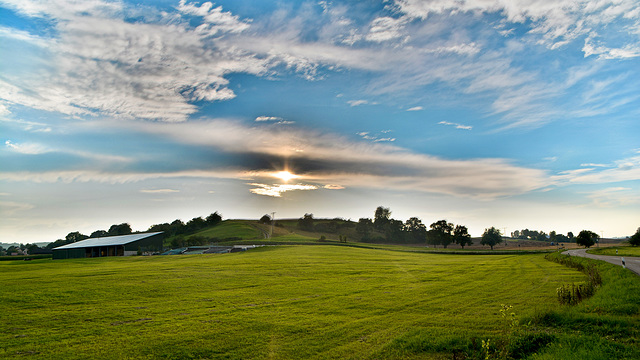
<point x="123" y="245"/>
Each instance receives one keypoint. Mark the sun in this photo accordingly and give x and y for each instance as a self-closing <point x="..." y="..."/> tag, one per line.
<point x="285" y="175"/>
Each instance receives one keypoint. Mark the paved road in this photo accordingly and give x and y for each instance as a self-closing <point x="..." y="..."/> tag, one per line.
<point x="632" y="263"/>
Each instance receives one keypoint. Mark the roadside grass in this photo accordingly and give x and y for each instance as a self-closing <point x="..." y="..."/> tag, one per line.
<point x="622" y="251"/>
<point x="321" y="302"/>
<point x="605" y="326"/>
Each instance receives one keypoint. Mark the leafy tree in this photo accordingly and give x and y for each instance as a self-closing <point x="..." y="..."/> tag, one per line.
<point x="55" y="244"/>
<point x="120" y="229"/>
<point x="364" y="227"/>
<point x="214" y="219"/>
<point x="587" y="238"/>
<point x="491" y="237"/>
<point x="553" y="236"/>
<point x="381" y="217"/>
<point x="394" y="231"/>
<point x="461" y="236"/>
<point x="306" y="222"/>
<point x="441" y="231"/>
<point x="330" y="227"/>
<point x="570" y="235"/>
<point x="165" y="227"/>
<point x="265" y="219"/>
<point x="31" y="248"/>
<point x="416" y="230"/>
<point x="178" y="227"/>
<point x="75" y="237"/>
<point x="634" y="240"/>
<point x="99" y="233"/>
<point x="196" y="224"/>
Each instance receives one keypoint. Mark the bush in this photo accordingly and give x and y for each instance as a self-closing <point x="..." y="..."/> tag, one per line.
<point x="571" y="295"/>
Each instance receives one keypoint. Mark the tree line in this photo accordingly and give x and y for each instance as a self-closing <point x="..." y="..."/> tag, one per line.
<point x="542" y="236"/>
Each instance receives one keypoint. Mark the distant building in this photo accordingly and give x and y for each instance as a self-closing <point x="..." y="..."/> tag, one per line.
<point x="124" y="245"/>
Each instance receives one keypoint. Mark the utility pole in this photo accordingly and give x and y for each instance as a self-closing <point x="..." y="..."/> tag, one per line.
<point x="273" y="221"/>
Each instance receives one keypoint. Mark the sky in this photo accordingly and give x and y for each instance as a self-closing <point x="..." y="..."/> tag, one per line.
<point x="507" y="113"/>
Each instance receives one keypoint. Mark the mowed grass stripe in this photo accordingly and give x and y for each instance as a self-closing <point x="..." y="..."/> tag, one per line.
<point x="274" y="302"/>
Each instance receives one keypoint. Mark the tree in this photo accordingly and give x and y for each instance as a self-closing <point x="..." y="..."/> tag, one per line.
<point x="74" y="237"/>
<point x="394" y="231"/>
<point x="98" y="233"/>
<point x="553" y="236"/>
<point x="306" y="222"/>
<point x="214" y="219"/>
<point x="570" y="235"/>
<point x="586" y="238"/>
<point x="364" y="227"/>
<point x="120" y="229"/>
<point x="634" y="240"/>
<point x="416" y="230"/>
<point x="381" y="217"/>
<point x="441" y="231"/>
<point x="491" y="237"/>
<point x="265" y="219"/>
<point x="461" y="236"/>
<point x="196" y="224"/>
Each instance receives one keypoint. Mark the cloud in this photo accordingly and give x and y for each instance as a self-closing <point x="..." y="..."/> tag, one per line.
<point x="415" y="108"/>
<point x="10" y="208"/>
<point x="150" y="69"/>
<point x="325" y="158"/>
<point x="367" y="136"/>
<point x="268" y="118"/>
<point x="334" y="187"/>
<point x="353" y="103"/>
<point x="555" y="23"/>
<point x="28" y="148"/>
<point x="159" y="191"/>
<point x="386" y="28"/>
<point x="614" y="196"/>
<point x="275" y="119"/>
<point x="39" y="149"/>
<point x="627" y="169"/>
<point x="457" y="126"/>
<point x="278" y="190"/>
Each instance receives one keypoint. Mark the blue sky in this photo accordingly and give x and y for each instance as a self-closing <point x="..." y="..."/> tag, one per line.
<point x="513" y="114"/>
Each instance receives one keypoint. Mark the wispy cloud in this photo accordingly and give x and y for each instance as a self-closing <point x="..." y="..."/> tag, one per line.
<point x="457" y="126"/>
<point x="614" y="196"/>
<point x="415" y="108"/>
<point x="159" y="191"/>
<point x="360" y="102"/>
<point x="27" y="148"/>
<point x="275" y="120"/>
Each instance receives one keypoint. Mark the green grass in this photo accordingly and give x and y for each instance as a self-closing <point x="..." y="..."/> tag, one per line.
<point x="622" y="251"/>
<point x="323" y="302"/>
<point x="232" y="228"/>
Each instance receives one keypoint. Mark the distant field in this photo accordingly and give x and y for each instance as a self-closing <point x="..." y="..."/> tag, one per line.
<point x="622" y="251"/>
<point x="233" y="228"/>
<point x="294" y="302"/>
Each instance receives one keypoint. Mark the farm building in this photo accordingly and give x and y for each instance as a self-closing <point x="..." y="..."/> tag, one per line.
<point x="124" y="245"/>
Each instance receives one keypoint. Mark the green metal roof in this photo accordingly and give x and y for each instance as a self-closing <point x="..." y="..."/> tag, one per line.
<point x="107" y="241"/>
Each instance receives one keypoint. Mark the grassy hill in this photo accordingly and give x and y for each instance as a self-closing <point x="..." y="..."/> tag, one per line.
<point x="311" y="302"/>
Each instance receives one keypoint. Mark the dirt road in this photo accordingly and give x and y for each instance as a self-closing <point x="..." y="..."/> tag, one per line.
<point x="632" y="263"/>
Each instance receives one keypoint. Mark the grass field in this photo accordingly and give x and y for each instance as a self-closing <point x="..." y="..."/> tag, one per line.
<point x="300" y="302"/>
<point x="622" y="251"/>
